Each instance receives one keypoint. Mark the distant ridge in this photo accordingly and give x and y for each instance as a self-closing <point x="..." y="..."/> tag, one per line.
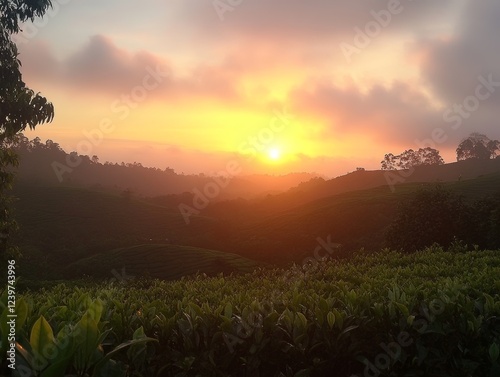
<point x="362" y="180"/>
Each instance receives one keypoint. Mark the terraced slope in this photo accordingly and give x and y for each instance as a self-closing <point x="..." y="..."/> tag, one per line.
<point x="168" y="262"/>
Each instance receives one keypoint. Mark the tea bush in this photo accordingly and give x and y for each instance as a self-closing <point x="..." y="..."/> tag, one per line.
<point x="431" y="313"/>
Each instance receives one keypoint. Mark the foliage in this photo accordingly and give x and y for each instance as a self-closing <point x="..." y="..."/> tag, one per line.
<point x="76" y="348"/>
<point x="20" y="106"/>
<point x="410" y="158"/>
<point x="478" y="146"/>
<point x="8" y="225"/>
<point x="436" y="215"/>
<point x="432" y="215"/>
<point x="332" y="319"/>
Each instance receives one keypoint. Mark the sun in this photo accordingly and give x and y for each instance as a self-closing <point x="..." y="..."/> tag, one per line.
<point x="274" y="154"/>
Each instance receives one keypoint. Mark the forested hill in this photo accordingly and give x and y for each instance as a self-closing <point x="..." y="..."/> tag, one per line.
<point x="47" y="164"/>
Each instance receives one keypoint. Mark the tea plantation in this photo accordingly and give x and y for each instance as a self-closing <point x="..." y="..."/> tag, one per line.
<point x="431" y="313"/>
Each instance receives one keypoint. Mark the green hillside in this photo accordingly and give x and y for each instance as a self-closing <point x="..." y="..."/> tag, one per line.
<point x="354" y="219"/>
<point x="60" y="226"/>
<point x="168" y="262"/>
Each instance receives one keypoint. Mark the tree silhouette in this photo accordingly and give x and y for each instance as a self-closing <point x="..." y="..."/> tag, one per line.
<point x="410" y="158"/>
<point x="478" y="146"/>
<point x="20" y="107"/>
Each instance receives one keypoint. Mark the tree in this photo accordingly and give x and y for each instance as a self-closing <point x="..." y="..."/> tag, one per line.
<point x="389" y="162"/>
<point x="410" y="158"/>
<point x="432" y="216"/>
<point x="477" y="146"/>
<point x="20" y="107"/>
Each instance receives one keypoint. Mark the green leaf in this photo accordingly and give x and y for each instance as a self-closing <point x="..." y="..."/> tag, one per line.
<point x="302" y="320"/>
<point x="101" y="363"/>
<point x="323" y="305"/>
<point x="41" y="336"/>
<point x="349" y="329"/>
<point x="410" y="320"/>
<point x="303" y="373"/>
<point x="331" y="319"/>
<point x="87" y="337"/>
<point x="21" y="312"/>
<point x="95" y="309"/>
<point x="339" y="318"/>
<point x="139" y="333"/>
<point x="494" y="352"/>
<point x="403" y="309"/>
<point x="228" y="310"/>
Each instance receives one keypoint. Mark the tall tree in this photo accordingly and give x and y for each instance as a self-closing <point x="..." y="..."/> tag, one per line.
<point x="20" y="107"/>
<point x="478" y="146"/>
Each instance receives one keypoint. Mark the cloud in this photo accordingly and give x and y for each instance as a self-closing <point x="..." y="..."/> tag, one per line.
<point x="101" y="67"/>
<point x="452" y="65"/>
<point x="395" y="114"/>
<point x="299" y="20"/>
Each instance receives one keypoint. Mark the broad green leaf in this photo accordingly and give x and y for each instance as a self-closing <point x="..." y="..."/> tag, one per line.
<point x="139" y="333"/>
<point x="494" y="352"/>
<point x="41" y="337"/>
<point x="95" y="310"/>
<point x="120" y="347"/>
<point x="404" y="310"/>
<point x="87" y="338"/>
<point x="331" y="319"/>
<point x="302" y="320"/>
<point x="21" y="312"/>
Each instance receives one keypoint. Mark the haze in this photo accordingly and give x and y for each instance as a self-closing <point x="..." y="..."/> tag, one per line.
<point x="283" y="86"/>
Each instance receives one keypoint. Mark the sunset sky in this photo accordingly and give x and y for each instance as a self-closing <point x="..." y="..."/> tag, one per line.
<point x="283" y="86"/>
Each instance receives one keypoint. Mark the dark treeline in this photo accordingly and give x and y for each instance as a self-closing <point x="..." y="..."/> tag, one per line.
<point x="47" y="163"/>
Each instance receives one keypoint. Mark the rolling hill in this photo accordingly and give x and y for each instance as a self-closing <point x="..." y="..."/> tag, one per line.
<point x="59" y="225"/>
<point x="363" y="180"/>
<point x="62" y="226"/>
<point x="168" y="262"/>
